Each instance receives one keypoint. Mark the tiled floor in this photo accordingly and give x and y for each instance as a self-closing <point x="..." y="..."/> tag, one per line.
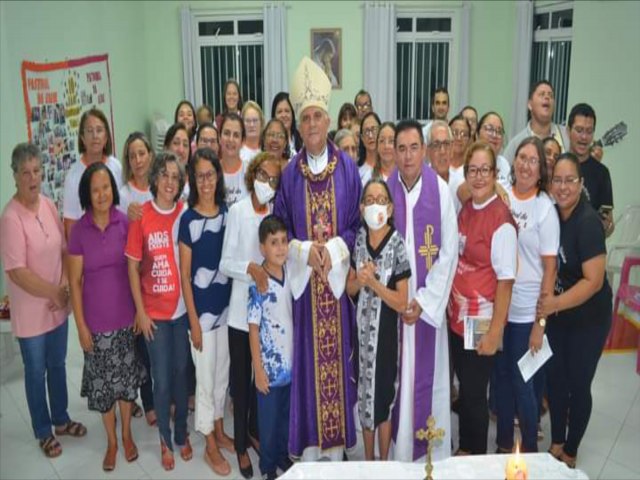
<point x="609" y="450"/>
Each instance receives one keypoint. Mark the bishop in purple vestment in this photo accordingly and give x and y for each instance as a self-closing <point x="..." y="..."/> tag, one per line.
<point x="318" y="200"/>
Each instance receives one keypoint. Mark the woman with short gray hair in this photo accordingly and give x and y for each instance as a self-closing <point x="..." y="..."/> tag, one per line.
<point x="32" y="248"/>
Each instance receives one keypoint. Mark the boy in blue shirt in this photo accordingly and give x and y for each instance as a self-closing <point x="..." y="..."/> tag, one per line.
<point x="271" y="341"/>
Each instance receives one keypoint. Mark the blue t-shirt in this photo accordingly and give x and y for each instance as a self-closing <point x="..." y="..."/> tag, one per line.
<point x="211" y="288"/>
<point x="272" y="312"/>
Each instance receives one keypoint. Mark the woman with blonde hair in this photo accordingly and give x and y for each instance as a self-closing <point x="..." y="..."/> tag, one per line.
<point x="253" y="121"/>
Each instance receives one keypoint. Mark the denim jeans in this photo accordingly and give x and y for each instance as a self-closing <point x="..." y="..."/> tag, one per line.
<point x="513" y="395"/>
<point x="44" y="358"/>
<point x="168" y="352"/>
<point x="273" y="421"/>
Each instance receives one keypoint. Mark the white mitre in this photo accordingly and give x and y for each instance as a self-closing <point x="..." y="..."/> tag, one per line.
<point x="310" y="87"/>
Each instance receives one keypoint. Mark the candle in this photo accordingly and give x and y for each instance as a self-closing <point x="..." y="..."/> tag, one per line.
<point x="516" y="467"/>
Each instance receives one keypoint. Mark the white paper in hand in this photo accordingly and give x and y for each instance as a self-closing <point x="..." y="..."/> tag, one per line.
<point x="530" y="363"/>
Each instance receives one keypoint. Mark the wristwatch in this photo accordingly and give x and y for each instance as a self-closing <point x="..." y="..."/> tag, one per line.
<point x="542" y="322"/>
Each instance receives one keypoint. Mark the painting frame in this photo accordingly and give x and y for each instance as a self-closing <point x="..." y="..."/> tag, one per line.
<point x="328" y="41"/>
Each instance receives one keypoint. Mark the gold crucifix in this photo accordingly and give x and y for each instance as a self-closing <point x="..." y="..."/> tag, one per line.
<point x="429" y="249"/>
<point x="430" y="434"/>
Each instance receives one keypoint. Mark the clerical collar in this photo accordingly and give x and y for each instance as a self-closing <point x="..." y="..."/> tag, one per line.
<point x="409" y="188"/>
<point x="317" y="163"/>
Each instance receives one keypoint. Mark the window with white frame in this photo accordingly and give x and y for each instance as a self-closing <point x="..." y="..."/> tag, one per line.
<point x="228" y="47"/>
<point x="424" y="44"/>
<point x="551" y="51"/>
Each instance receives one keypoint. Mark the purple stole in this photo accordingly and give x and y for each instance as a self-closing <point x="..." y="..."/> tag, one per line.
<point x="427" y="238"/>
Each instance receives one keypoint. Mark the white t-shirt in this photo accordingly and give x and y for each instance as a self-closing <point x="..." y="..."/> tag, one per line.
<point x="538" y="235"/>
<point x="71" y="208"/>
<point x="129" y="194"/>
<point x="503" y="175"/>
<point x="235" y="186"/>
<point x="366" y="171"/>
<point x="247" y="154"/>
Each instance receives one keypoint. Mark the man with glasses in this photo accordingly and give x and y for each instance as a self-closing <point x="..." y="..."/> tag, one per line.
<point x="439" y="109"/>
<point x="541" y="105"/>
<point x="426" y="218"/>
<point x="439" y="148"/>
<point x="597" y="180"/>
<point x="363" y="104"/>
<point x="318" y="201"/>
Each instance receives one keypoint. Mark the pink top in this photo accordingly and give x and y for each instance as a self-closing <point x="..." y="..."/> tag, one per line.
<point x="33" y="241"/>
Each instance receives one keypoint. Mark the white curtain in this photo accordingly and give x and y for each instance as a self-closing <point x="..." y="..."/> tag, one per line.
<point x="380" y="57"/>
<point x="187" y="54"/>
<point x="275" y="53"/>
<point x="521" y="66"/>
<point x="462" y="87"/>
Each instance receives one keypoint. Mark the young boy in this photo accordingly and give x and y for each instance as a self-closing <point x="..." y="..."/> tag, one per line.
<point x="271" y="340"/>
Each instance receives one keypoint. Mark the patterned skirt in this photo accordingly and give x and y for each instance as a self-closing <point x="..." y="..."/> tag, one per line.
<point x="112" y="371"/>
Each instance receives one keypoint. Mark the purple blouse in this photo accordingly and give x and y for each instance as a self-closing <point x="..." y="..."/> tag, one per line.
<point x="106" y="295"/>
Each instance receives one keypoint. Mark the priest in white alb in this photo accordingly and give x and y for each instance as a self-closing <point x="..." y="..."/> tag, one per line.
<point x="426" y="218"/>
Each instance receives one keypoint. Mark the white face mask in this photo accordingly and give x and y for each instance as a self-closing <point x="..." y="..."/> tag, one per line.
<point x="264" y="192"/>
<point x="375" y="216"/>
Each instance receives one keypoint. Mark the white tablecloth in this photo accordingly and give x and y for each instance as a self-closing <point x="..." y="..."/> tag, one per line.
<point x="540" y="466"/>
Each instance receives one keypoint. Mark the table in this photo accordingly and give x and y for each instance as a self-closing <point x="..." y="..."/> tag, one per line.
<point x="540" y="465"/>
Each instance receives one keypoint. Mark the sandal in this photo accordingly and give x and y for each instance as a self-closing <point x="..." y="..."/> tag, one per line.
<point x="51" y="447"/>
<point x="130" y="451"/>
<point x="168" y="462"/>
<point x="222" y="468"/>
<point x="136" y="410"/>
<point x="109" y="461"/>
<point x="555" y="450"/>
<point x="152" y="420"/>
<point x="186" y="452"/>
<point x="73" y="429"/>
<point x="568" y="460"/>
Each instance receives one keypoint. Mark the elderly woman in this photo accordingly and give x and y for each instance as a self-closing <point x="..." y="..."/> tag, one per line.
<point x="95" y="145"/>
<point x="253" y="121"/>
<point x="347" y="141"/>
<point x="538" y="238"/>
<point x="32" y="246"/>
<point x="206" y="293"/>
<point x="242" y="261"/>
<point x="481" y="288"/>
<point x="579" y="315"/>
<point x="275" y="142"/>
<point x="282" y="109"/>
<point x="154" y="276"/>
<point x="112" y="371"/>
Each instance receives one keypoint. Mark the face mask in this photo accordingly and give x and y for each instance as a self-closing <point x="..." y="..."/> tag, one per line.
<point x="375" y="216"/>
<point x="264" y="192"/>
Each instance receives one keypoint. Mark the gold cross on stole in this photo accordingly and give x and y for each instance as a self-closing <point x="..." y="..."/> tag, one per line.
<point x="428" y="250"/>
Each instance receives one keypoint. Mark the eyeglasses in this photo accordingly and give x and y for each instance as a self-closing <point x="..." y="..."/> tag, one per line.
<point x="440" y="145"/>
<point x="461" y="134"/>
<point x="484" y="171"/>
<point x="206" y="177"/>
<point x="94" y="132"/>
<point x="263" y="176"/>
<point x="379" y="200"/>
<point x="587" y="132"/>
<point x="531" y="161"/>
<point x="275" y="136"/>
<point x="370" y="132"/>
<point x="493" y="131"/>
<point x="570" y="181"/>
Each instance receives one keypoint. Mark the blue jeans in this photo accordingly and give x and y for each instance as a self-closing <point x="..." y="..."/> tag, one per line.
<point x="168" y="352"/>
<point x="273" y="425"/>
<point x="512" y="393"/>
<point x="45" y="356"/>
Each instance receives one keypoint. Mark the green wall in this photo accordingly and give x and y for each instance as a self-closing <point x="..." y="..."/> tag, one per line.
<point x="605" y="72"/>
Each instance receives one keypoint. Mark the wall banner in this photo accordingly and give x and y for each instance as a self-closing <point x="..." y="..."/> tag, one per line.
<point x="55" y="96"/>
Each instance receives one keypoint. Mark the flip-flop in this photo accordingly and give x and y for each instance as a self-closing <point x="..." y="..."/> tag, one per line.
<point x="72" y="429"/>
<point x="136" y="410"/>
